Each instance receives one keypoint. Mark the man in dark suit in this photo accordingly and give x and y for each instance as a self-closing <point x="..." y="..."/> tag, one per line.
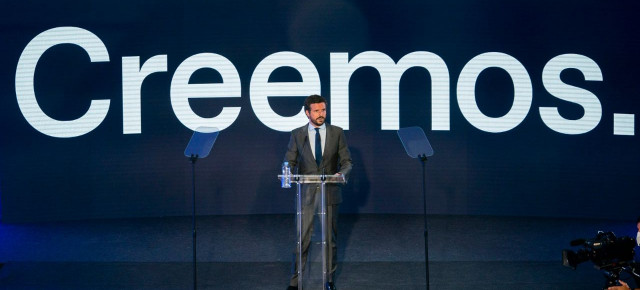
<point x="635" y="267"/>
<point x="318" y="148"/>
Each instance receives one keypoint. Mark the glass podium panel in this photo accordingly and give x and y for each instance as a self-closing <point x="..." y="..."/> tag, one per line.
<point x="312" y="272"/>
<point x="312" y="228"/>
<point x="311" y="178"/>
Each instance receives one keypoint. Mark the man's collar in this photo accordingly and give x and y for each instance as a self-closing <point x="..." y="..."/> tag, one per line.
<point x="311" y="127"/>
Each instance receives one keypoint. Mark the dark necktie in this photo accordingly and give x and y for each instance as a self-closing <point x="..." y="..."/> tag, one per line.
<point x="318" y="147"/>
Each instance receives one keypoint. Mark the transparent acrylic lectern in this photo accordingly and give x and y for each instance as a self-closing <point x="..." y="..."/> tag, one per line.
<point x="322" y="180"/>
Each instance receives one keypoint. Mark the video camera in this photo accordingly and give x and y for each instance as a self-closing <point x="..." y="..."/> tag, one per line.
<point x="608" y="253"/>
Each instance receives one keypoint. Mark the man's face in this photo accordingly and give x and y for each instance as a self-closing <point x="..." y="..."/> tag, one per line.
<point x="638" y="235"/>
<point x="317" y="114"/>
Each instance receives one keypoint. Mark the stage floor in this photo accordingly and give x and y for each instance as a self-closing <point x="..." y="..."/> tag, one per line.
<point x="253" y="252"/>
<point x="273" y="275"/>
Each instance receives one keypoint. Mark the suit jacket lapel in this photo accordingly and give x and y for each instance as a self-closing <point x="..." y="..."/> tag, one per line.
<point x="328" y="148"/>
<point x="307" y="154"/>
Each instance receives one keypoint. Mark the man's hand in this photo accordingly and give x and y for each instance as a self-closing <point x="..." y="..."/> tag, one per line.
<point x="624" y="286"/>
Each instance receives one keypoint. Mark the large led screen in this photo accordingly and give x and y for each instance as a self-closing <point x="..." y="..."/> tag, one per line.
<point x="530" y="106"/>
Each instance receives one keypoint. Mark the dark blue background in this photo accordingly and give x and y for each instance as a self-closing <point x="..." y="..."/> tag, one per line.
<point x="528" y="171"/>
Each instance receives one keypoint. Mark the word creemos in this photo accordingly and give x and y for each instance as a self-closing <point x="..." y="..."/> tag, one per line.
<point x="341" y="70"/>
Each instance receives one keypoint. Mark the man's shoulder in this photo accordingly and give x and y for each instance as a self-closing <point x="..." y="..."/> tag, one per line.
<point x="334" y="128"/>
<point x="299" y="129"/>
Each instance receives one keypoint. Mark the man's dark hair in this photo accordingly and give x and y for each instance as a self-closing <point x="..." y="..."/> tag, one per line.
<point x="638" y="220"/>
<point x="313" y="99"/>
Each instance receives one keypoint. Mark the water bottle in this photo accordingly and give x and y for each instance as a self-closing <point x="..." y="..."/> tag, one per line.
<point x="286" y="175"/>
